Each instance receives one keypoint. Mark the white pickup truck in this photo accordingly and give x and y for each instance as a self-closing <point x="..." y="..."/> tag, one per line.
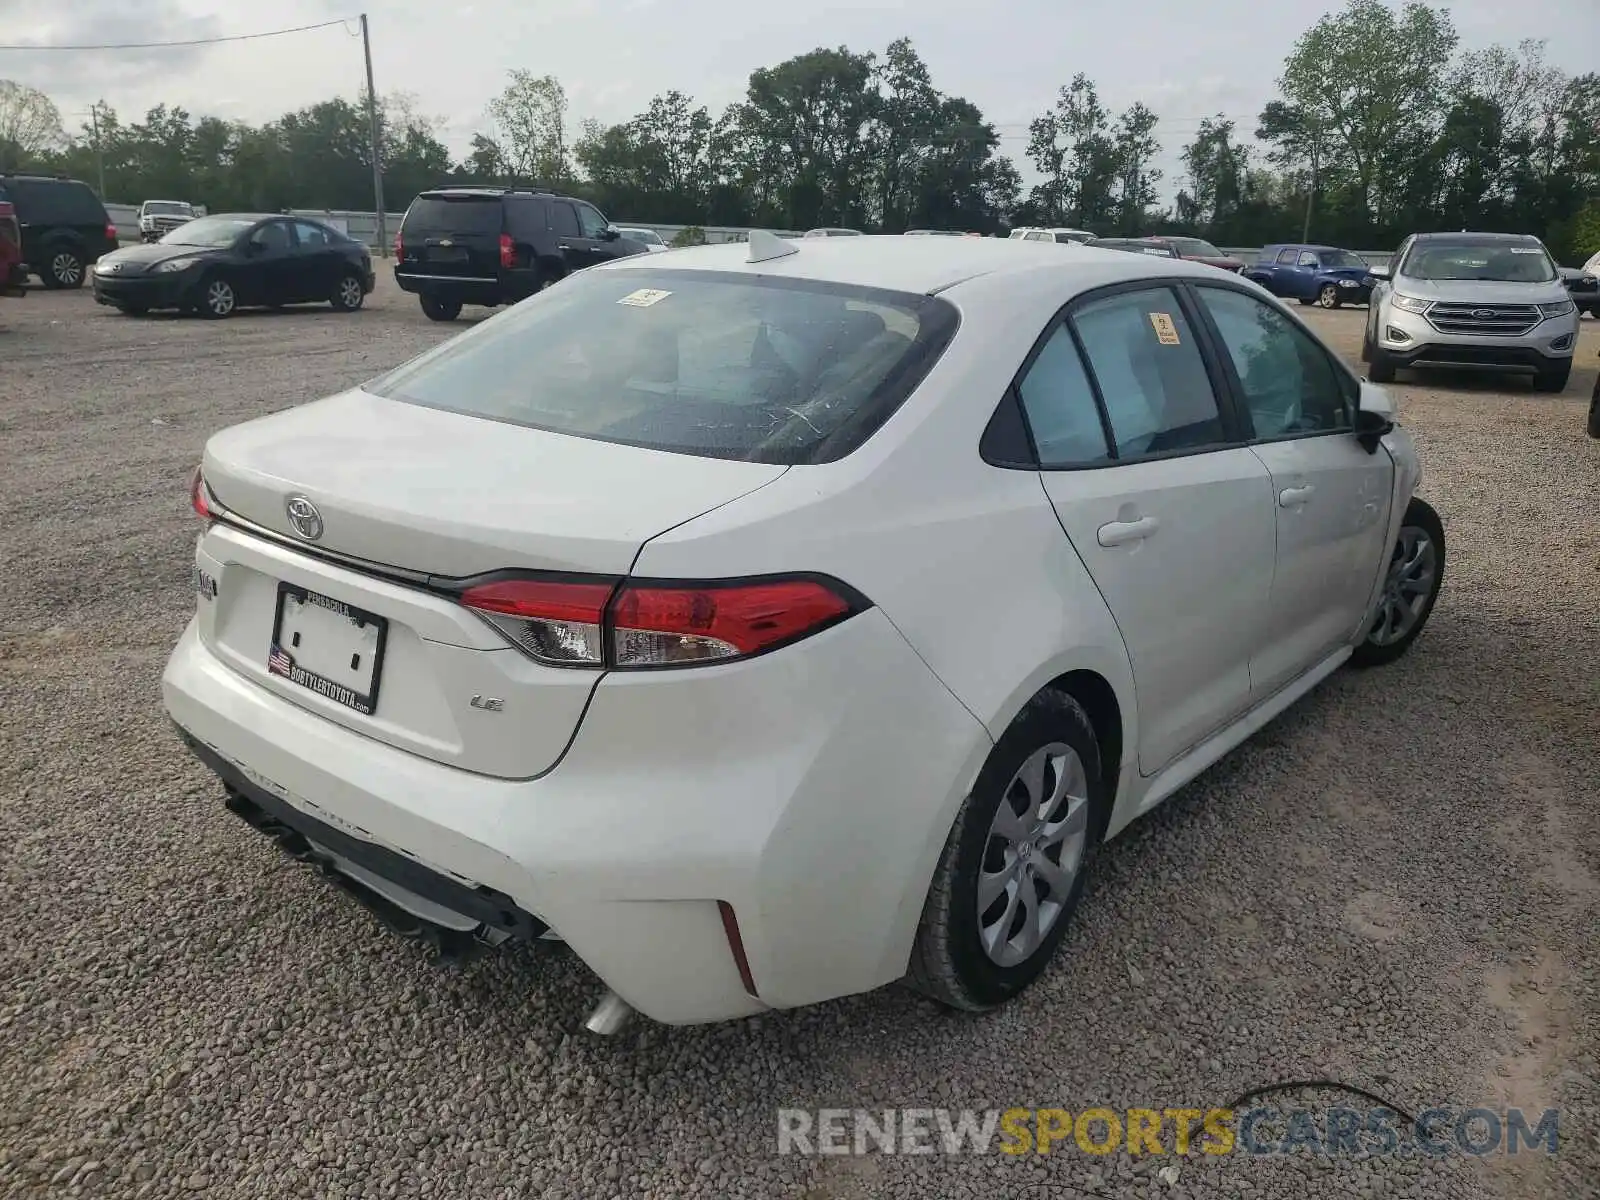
<point x="157" y="218"/>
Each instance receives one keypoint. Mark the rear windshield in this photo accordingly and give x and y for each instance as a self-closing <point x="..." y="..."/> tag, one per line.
<point x="1498" y="263"/>
<point x="456" y="214"/>
<point x="718" y="364"/>
<point x="1198" y="247"/>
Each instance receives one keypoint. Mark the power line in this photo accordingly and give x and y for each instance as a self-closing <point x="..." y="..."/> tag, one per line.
<point x="211" y="41"/>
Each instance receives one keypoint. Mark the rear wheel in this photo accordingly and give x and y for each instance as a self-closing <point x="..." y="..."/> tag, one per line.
<point x="1553" y="379"/>
<point x="1013" y="865"/>
<point x="349" y="295"/>
<point x="63" y="268"/>
<point x="436" y="308"/>
<point x="1410" y="587"/>
<point x="1328" y="296"/>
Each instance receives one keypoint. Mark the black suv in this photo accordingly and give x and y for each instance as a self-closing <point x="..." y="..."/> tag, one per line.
<point x="64" y="226"/>
<point x="497" y="245"/>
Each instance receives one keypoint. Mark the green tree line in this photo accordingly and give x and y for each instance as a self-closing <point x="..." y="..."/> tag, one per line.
<point x="1381" y="126"/>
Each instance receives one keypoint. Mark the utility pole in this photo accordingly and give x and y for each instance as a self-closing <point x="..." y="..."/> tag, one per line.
<point x="377" y="162"/>
<point x="1311" y="192"/>
<point x="99" y="147"/>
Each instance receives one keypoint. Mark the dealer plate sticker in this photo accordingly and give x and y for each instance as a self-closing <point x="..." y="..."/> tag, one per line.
<point x="328" y="647"/>
<point x="644" y="297"/>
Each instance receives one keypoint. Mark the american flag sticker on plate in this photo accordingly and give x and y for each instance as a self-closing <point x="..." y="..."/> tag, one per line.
<point x="279" y="662"/>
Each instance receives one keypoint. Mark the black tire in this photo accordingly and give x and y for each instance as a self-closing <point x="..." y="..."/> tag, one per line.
<point x="436" y="308"/>
<point x="63" y="267"/>
<point x="949" y="963"/>
<point x="1553" y="379"/>
<point x="1374" y="650"/>
<point x="348" y="294"/>
<point x="1380" y="367"/>
<point x="215" y="298"/>
<point x="1328" y="296"/>
<point x="1594" y="411"/>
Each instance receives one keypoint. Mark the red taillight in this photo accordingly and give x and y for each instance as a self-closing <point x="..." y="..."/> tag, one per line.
<point x="199" y="497"/>
<point x="7" y="209"/>
<point x="508" y="252"/>
<point x="111" y="233"/>
<point x="665" y="626"/>
<point x="399" y="246"/>
<point x="555" y="622"/>
<point x="581" y="624"/>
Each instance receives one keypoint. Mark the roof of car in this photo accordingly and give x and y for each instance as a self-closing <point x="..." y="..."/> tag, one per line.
<point x="1480" y="239"/>
<point x="919" y="265"/>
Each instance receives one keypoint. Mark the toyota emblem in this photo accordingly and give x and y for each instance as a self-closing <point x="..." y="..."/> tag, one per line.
<point x="305" y="518"/>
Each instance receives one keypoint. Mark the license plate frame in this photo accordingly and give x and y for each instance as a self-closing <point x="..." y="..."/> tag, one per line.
<point x="354" y="695"/>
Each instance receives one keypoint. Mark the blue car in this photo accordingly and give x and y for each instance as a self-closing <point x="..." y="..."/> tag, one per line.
<point x="1323" y="275"/>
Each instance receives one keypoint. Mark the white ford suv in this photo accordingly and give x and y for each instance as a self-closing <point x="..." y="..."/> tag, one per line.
<point x="1475" y="301"/>
<point x="795" y="618"/>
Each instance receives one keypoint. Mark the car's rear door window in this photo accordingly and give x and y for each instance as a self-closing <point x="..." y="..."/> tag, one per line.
<point x="1059" y="402"/>
<point x="563" y="219"/>
<point x="724" y="365"/>
<point x="1150" y="374"/>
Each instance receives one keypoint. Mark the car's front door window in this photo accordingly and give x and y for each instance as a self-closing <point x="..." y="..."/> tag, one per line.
<point x="590" y="222"/>
<point x="1290" y="385"/>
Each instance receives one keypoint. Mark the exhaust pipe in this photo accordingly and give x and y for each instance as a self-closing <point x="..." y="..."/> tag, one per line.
<point x="609" y="1016"/>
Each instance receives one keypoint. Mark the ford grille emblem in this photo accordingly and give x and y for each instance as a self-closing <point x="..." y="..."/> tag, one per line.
<point x="305" y="518"/>
<point x="1484" y="314"/>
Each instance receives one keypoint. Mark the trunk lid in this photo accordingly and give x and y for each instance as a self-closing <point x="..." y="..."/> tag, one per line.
<point x="456" y="495"/>
<point x="453" y="235"/>
<point x="434" y="494"/>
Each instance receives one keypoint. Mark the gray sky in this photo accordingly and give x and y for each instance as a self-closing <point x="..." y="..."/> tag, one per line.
<point x="613" y="55"/>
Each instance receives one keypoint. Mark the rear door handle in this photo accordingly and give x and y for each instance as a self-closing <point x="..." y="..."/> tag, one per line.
<point x="1291" y="497"/>
<point x="1120" y="533"/>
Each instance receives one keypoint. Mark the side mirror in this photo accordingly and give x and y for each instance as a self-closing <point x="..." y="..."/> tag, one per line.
<point x="610" y="234"/>
<point x="1379" y="272"/>
<point x="1374" y="417"/>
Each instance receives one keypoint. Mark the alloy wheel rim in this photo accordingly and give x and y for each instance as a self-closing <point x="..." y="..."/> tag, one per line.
<point x="1406" y="587"/>
<point x="219" y="298"/>
<point x="1032" y="854"/>
<point x="350" y="292"/>
<point x="66" y="268"/>
<point x="1328" y="296"/>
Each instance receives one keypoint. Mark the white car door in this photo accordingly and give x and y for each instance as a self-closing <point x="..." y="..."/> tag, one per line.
<point x="1170" y="514"/>
<point x="1332" y="496"/>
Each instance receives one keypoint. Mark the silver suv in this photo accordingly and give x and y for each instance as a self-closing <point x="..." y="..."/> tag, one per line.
<point x="1481" y="301"/>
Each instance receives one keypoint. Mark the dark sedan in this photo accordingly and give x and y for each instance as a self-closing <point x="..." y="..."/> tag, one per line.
<point x="216" y="265"/>
<point x="1199" y="250"/>
<point x="1149" y="246"/>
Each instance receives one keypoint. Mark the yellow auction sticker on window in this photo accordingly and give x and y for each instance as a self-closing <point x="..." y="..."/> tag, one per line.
<point x="644" y="297"/>
<point x="1166" y="331"/>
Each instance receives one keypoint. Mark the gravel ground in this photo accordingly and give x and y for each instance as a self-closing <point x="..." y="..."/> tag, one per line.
<point x="1397" y="884"/>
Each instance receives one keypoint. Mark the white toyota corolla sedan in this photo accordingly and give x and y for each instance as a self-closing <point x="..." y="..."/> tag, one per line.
<point x="794" y="619"/>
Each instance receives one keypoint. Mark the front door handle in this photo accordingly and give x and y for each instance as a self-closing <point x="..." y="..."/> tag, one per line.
<point x="1120" y="533"/>
<point x="1294" y="496"/>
